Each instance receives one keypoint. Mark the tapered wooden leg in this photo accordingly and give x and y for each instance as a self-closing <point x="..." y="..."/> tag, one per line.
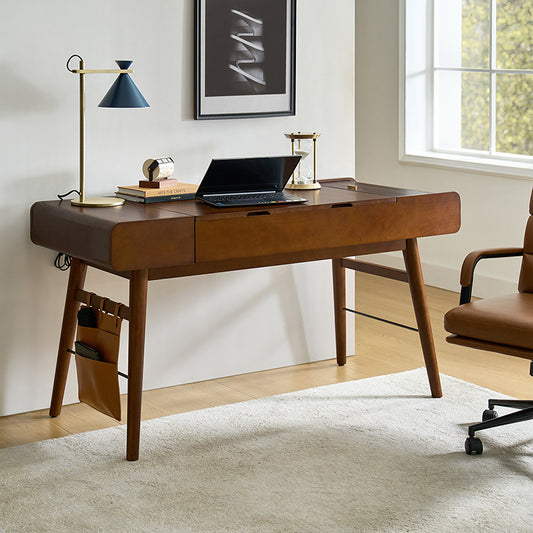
<point x="76" y="279"/>
<point x="138" y="298"/>
<point x="418" y="295"/>
<point x="339" y="302"/>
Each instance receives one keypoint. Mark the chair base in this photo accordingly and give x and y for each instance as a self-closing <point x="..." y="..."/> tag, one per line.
<point x="491" y="419"/>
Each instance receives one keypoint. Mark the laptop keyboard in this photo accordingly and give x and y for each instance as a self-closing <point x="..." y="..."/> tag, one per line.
<point x="254" y="198"/>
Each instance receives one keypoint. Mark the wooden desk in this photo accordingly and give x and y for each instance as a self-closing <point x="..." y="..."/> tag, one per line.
<point x="174" y="239"/>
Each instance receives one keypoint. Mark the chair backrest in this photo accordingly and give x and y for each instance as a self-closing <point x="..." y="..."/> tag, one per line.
<point x="525" y="281"/>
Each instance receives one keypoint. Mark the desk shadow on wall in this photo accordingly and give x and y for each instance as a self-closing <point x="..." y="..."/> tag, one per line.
<point x="213" y="313"/>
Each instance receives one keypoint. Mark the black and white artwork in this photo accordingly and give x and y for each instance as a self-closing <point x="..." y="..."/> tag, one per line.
<point x="245" y="58"/>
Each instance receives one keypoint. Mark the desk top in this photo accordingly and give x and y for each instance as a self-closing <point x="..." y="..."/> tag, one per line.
<point x="189" y="237"/>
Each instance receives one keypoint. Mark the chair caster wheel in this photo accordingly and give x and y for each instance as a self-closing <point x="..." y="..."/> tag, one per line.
<point x="473" y="445"/>
<point x="489" y="414"/>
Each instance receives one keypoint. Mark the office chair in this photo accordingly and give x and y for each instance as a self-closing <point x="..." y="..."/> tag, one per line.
<point x="502" y="324"/>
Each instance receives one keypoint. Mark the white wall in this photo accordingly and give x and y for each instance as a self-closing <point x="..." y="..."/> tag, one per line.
<point x="494" y="208"/>
<point x="198" y="328"/>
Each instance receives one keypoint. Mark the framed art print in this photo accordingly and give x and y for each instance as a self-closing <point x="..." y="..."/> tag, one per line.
<point x="245" y="58"/>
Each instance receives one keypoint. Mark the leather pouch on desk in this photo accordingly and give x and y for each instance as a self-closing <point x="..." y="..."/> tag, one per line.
<point x="98" y="378"/>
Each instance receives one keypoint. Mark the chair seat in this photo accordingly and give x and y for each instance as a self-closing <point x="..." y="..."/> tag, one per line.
<point x="502" y="319"/>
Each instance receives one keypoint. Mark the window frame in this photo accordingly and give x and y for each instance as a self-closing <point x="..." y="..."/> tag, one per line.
<point x="424" y="153"/>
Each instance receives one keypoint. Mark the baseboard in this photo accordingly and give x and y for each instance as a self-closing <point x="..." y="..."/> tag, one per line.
<point x="448" y="278"/>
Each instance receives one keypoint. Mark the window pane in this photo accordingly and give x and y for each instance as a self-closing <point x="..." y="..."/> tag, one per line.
<point x="514" y="34"/>
<point x="462" y="110"/>
<point x="475" y="33"/>
<point x="448" y="33"/>
<point x="475" y="119"/>
<point x="514" y="114"/>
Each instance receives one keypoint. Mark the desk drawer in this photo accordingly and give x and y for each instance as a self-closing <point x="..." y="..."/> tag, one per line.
<point x="272" y="233"/>
<point x="325" y="228"/>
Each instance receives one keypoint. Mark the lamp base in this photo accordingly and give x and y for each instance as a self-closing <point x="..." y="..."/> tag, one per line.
<point x="302" y="186"/>
<point x="102" y="201"/>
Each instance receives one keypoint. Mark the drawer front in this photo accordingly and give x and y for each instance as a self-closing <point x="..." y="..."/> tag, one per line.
<point x="325" y="228"/>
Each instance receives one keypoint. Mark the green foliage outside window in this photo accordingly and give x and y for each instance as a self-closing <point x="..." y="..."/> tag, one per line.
<point x="514" y="91"/>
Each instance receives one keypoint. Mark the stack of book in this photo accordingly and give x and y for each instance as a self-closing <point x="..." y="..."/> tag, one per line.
<point x="179" y="191"/>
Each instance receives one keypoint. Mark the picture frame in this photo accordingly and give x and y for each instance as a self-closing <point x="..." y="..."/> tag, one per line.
<point x="245" y="58"/>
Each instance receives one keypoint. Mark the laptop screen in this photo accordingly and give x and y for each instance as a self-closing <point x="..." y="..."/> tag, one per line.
<point x="247" y="175"/>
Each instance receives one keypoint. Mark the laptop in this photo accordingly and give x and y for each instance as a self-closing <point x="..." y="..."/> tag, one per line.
<point x="248" y="182"/>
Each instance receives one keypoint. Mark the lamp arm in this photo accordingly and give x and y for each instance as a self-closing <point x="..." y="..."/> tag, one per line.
<point x="103" y="71"/>
<point x="83" y="70"/>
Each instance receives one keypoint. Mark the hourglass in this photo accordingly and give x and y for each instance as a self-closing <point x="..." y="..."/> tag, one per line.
<point x="304" y="145"/>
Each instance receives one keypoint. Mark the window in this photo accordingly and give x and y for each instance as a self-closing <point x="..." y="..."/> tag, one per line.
<point x="467" y="84"/>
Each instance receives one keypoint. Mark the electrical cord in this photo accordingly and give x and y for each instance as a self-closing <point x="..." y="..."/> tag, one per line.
<point x="62" y="261"/>
<point x="61" y="196"/>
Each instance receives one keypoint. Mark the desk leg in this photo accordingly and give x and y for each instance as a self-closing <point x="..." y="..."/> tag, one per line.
<point x="339" y="302"/>
<point x="76" y="279"/>
<point x="138" y="298"/>
<point x="418" y="295"/>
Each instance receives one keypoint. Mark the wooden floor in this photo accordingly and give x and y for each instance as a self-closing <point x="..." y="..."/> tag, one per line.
<point x="380" y="349"/>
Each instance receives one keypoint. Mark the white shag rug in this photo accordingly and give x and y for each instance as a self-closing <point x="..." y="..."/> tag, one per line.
<point x="373" y="455"/>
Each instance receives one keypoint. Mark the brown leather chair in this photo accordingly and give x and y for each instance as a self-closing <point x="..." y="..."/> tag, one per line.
<point x="501" y="324"/>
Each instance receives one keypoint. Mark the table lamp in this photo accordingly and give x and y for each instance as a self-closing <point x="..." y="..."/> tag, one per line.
<point x="123" y="93"/>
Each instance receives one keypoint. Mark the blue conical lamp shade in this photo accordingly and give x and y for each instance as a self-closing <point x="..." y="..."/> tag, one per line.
<point x="123" y="92"/>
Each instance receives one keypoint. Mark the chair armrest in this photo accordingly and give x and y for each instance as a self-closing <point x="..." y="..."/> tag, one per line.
<point x="472" y="259"/>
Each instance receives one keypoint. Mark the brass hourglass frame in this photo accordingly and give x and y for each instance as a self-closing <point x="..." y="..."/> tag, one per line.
<point x="299" y="137"/>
